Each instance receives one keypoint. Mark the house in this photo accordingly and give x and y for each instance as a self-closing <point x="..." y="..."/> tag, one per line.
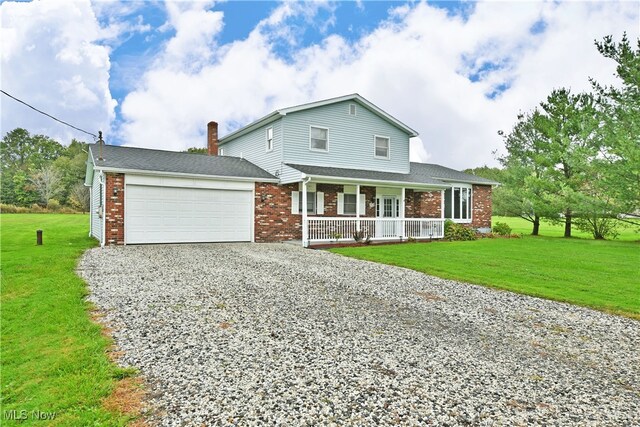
<point x="316" y="173"/>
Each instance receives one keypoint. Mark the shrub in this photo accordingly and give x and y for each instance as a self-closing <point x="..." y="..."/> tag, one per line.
<point x="454" y="231"/>
<point x="502" y="228"/>
<point x="53" y="204"/>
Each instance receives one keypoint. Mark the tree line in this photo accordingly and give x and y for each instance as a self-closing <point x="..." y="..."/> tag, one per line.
<point x="38" y="170"/>
<point x="575" y="158"/>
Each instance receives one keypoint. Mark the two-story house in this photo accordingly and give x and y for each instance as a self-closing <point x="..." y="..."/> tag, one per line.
<point x="317" y="173"/>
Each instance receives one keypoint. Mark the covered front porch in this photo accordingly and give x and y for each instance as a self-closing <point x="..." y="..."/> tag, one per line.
<point x="354" y="212"/>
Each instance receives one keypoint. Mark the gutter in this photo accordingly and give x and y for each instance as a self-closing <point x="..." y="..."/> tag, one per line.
<point x="186" y="175"/>
<point x="374" y="181"/>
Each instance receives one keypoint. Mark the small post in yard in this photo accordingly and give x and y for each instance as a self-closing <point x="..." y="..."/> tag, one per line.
<point x="38" y="237"/>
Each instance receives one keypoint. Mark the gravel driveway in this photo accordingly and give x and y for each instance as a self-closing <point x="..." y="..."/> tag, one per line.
<point x="274" y="334"/>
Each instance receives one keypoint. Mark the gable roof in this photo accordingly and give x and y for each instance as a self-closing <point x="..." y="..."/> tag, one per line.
<point x="118" y="158"/>
<point x="447" y="174"/>
<point x="284" y="111"/>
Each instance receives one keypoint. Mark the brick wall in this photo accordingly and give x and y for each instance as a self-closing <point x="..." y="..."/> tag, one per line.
<point x="114" y="209"/>
<point x="423" y="204"/>
<point x="273" y="220"/>
<point x="482" y="207"/>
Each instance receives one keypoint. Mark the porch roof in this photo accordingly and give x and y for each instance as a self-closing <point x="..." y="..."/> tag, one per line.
<point x="331" y="174"/>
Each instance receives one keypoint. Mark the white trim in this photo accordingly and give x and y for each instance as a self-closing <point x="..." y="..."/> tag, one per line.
<point x="252" y="225"/>
<point x="186" y="175"/>
<point x="399" y="184"/>
<point x="295" y="203"/>
<point x="442" y="204"/>
<point x="402" y="195"/>
<point x="388" y="156"/>
<point x="305" y="227"/>
<point x="221" y="151"/>
<point x="271" y="117"/>
<point x="340" y="203"/>
<point x="103" y="203"/>
<point x="460" y="185"/>
<point x="90" y="210"/>
<point x="266" y="134"/>
<point x="319" y="203"/>
<point x="317" y="149"/>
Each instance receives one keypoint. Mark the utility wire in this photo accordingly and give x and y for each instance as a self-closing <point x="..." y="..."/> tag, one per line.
<point x="48" y="115"/>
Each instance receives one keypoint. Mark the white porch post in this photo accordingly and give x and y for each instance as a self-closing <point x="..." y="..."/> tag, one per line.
<point x="358" y="208"/>
<point x="441" y="204"/>
<point x="402" y="227"/>
<point x="305" y="226"/>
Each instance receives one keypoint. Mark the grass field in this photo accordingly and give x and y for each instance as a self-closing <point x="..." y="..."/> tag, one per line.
<point x="599" y="274"/>
<point x="519" y="225"/>
<point x="53" y="357"/>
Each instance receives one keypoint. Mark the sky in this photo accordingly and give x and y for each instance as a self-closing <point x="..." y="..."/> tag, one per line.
<point x="152" y="74"/>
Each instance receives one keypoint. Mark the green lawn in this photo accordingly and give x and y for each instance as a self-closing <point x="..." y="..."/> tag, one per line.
<point x="519" y="225"/>
<point x="604" y="275"/>
<point x="53" y="356"/>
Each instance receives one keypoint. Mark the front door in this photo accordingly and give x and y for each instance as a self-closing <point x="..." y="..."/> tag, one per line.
<point x="387" y="209"/>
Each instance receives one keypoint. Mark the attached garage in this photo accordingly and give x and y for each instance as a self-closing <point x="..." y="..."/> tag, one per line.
<point x="141" y="196"/>
<point x="175" y="213"/>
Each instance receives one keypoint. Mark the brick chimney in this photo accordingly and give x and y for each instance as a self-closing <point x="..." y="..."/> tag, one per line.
<point x="212" y="138"/>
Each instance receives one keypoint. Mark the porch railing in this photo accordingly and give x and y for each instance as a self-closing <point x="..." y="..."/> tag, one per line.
<point x="330" y="229"/>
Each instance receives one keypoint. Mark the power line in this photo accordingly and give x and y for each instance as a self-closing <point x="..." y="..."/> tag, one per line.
<point x="48" y="115"/>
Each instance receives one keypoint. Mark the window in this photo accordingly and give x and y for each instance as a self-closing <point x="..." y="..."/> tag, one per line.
<point x="352" y="109"/>
<point x="350" y="201"/>
<point x="311" y="202"/>
<point x="457" y="203"/>
<point x="381" y="147"/>
<point x="221" y="152"/>
<point x="319" y="139"/>
<point x="269" y="139"/>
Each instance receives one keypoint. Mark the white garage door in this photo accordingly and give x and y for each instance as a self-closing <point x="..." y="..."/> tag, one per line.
<point x="180" y="215"/>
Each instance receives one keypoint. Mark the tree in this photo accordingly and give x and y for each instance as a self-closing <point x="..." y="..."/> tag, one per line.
<point x="568" y="125"/>
<point x="20" y="150"/>
<point x="47" y="182"/>
<point x="619" y="156"/>
<point x="524" y="186"/>
<point x="196" y="150"/>
<point x="80" y="197"/>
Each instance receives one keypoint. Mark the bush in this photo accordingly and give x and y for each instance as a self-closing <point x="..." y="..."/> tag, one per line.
<point x="53" y="204"/>
<point x="454" y="231"/>
<point x="35" y="208"/>
<point x="502" y="228"/>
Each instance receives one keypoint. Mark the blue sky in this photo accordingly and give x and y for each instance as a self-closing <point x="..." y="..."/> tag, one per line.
<point x="152" y="74"/>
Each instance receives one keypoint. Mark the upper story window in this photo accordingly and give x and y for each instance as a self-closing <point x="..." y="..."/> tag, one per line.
<point x="381" y="147"/>
<point x="352" y="109"/>
<point x="457" y="203"/>
<point x="269" y="139"/>
<point x="318" y="139"/>
<point x="220" y="151"/>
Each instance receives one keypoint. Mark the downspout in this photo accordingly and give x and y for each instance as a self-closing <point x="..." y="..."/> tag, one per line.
<point x="358" y="208"/>
<point x="305" y="226"/>
<point x="91" y="211"/>
<point x="103" y="181"/>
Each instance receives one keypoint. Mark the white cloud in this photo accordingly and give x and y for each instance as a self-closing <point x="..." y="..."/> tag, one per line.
<point x="51" y="58"/>
<point x="414" y="66"/>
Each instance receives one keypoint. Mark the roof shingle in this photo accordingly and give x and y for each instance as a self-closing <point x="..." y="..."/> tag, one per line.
<point x="143" y="159"/>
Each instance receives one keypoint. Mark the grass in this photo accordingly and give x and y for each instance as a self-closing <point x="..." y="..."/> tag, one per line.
<point x="53" y="356"/>
<point x="522" y="226"/>
<point x="597" y="274"/>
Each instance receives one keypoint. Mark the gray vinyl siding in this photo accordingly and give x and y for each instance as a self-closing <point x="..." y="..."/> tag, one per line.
<point x="351" y="139"/>
<point x="253" y="147"/>
<point x="96" y="197"/>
